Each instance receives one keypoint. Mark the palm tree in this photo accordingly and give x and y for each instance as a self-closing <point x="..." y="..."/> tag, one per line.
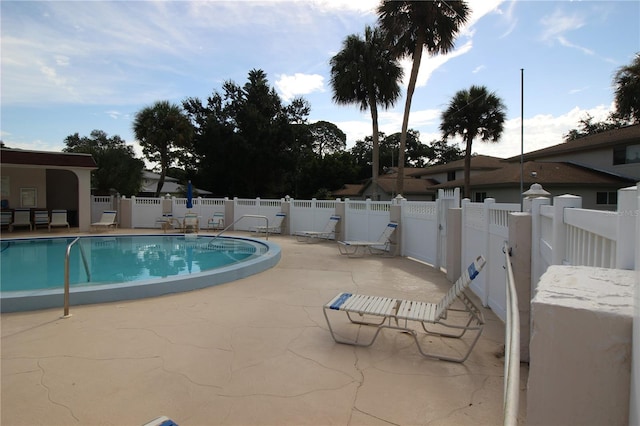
<point x="471" y="113"/>
<point x="365" y="72"/>
<point x="627" y="90"/>
<point x="412" y="26"/>
<point x="164" y="133"/>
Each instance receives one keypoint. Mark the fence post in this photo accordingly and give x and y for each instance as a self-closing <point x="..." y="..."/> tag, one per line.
<point x="536" y="235"/>
<point x="625" y="238"/>
<point x="559" y="248"/>
<point x="395" y="214"/>
<point x="463" y="232"/>
<point x="520" y="244"/>
<point x="634" y="397"/>
<point x="488" y="202"/>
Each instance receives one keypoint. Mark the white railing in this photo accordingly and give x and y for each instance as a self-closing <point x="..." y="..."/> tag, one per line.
<point x="511" y="347"/>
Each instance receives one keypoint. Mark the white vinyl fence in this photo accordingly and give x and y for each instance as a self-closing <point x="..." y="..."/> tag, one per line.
<point x="562" y="233"/>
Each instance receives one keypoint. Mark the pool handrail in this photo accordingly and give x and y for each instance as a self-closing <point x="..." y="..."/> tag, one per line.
<point x="66" y="273"/>
<point x="242" y="217"/>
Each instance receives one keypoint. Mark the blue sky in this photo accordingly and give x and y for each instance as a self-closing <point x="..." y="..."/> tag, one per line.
<point x="75" y="66"/>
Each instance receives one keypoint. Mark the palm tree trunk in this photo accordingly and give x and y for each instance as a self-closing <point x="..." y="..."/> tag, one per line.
<point x="375" y="166"/>
<point x="467" y="167"/>
<point x="413" y="78"/>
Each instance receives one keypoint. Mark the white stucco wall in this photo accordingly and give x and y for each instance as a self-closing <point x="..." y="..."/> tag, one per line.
<point x="581" y="343"/>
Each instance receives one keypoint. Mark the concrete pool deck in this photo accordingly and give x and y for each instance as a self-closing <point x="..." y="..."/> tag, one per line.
<point x="252" y="352"/>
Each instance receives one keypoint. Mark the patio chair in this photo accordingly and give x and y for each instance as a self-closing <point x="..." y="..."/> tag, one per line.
<point x="59" y="218"/>
<point x="217" y="221"/>
<point x="6" y="217"/>
<point x="328" y="232"/>
<point x="107" y="220"/>
<point x="352" y="248"/>
<point x="41" y="218"/>
<point x="405" y="315"/>
<point x="273" y="228"/>
<point x="190" y="223"/>
<point x="21" y="217"/>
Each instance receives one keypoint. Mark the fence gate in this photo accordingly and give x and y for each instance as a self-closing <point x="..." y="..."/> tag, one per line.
<point x="448" y="199"/>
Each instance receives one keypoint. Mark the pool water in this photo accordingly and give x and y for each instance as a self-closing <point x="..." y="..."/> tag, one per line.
<point x="38" y="264"/>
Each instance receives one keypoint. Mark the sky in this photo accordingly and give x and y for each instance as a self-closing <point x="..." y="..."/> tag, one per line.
<point x="74" y="66"/>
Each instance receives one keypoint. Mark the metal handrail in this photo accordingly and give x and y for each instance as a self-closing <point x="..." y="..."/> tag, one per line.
<point x="512" y="347"/>
<point x="242" y="217"/>
<point x="66" y="274"/>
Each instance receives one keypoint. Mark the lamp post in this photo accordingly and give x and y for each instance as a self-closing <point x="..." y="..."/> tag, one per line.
<point x="534" y="191"/>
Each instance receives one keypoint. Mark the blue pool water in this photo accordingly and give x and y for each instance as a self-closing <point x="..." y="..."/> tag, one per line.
<point x="159" y="264"/>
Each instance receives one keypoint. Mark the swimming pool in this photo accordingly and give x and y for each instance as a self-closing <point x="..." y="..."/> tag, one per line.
<point x="123" y="267"/>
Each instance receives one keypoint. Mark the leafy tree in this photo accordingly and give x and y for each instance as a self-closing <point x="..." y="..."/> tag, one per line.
<point x="588" y="127"/>
<point x="471" y="113"/>
<point x="412" y="26"/>
<point x="365" y="72"/>
<point x="444" y="153"/>
<point x="247" y="143"/>
<point x="627" y="90"/>
<point x="165" y="133"/>
<point x="118" y="167"/>
<point x="327" y="138"/>
<point x="417" y="153"/>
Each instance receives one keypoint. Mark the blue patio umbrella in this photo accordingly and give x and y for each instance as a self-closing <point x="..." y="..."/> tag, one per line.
<point x="189" y="195"/>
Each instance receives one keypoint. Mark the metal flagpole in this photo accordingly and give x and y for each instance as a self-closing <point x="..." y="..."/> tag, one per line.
<point x="521" y="137"/>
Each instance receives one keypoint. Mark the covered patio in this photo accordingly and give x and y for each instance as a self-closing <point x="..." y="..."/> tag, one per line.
<point x="252" y="352"/>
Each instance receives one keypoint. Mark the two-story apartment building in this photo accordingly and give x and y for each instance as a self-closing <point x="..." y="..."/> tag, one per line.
<point x="593" y="167"/>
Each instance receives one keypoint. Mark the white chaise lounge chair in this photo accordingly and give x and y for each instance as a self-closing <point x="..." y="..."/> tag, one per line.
<point x="58" y="218"/>
<point x="6" y="217"/>
<point x="352" y="248"/>
<point x="328" y="232"/>
<point x="273" y="228"/>
<point x="41" y="218"/>
<point x="107" y="220"/>
<point x="405" y="315"/>
<point x="21" y="217"/>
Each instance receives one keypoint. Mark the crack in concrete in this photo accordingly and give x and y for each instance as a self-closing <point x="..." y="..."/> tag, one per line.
<point x="43" y="372"/>
<point x="166" y="339"/>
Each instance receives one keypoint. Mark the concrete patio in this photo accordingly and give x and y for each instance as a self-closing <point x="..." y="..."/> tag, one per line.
<point x="252" y="352"/>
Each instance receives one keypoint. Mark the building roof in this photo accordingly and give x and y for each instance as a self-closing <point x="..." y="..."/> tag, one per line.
<point x="478" y="162"/>
<point x="171" y="185"/>
<point x="544" y="173"/>
<point x="607" y="139"/>
<point x="10" y="156"/>
<point x="349" y="190"/>
<point x="412" y="186"/>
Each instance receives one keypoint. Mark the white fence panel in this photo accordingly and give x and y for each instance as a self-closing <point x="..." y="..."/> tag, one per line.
<point x="420" y="230"/>
<point x="268" y="208"/>
<point x="474" y="242"/>
<point x="310" y="215"/>
<point x="495" y="270"/>
<point x="145" y="212"/>
<point x="99" y="204"/>
<point x="591" y="237"/>
<point x="366" y="220"/>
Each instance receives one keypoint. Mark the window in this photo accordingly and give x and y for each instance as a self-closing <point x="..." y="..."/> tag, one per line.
<point x="451" y="176"/>
<point x="610" y="198"/>
<point x="626" y="154"/>
<point x="478" y="197"/>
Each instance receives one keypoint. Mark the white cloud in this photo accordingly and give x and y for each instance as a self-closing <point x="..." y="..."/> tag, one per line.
<point x="557" y="24"/>
<point x="540" y="131"/>
<point x="291" y="86"/>
<point x="429" y="64"/>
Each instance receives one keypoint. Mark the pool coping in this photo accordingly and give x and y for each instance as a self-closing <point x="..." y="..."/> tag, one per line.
<point x="31" y="300"/>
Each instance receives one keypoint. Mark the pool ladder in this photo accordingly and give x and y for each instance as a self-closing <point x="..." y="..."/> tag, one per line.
<point x="242" y="217"/>
<point x="66" y="274"/>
